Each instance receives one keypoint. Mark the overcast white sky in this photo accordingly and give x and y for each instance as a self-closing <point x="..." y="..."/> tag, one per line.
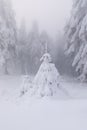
<point x="50" y="14"/>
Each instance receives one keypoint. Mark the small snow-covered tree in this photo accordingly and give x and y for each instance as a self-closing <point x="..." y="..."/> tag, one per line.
<point x="46" y="81"/>
<point x="76" y="35"/>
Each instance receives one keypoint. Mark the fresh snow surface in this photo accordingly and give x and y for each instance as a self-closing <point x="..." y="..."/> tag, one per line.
<point x="26" y="113"/>
<point x="44" y="114"/>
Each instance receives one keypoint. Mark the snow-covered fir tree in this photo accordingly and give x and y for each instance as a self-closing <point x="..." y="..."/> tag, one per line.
<point x="46" y="81"/>
<point x="76" y="35"/>
<point x="8" y="34"/>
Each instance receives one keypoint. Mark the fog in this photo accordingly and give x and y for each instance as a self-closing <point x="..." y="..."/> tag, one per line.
<point x="51" y="15"/>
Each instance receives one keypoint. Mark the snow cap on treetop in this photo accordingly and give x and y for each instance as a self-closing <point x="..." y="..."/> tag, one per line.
<point x="46" y="58"/>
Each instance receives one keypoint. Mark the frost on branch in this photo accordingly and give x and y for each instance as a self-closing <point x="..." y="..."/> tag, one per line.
<point x="76" y="33"/>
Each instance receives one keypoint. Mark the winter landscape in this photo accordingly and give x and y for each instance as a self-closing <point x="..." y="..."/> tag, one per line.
<point x="43" y="65"/>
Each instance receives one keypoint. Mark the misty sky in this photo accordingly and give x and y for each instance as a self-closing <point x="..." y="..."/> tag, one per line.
<point x="50" y="14"/>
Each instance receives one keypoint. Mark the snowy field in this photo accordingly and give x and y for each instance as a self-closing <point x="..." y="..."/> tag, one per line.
<point x="59" y="113"/>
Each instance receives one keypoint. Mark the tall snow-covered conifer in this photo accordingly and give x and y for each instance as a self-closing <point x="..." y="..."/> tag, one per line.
<point x="8" y="34"/>
<point x="76" y="35"/>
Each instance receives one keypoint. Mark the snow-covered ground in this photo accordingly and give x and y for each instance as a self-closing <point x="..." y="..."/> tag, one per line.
<point x="25" y="113"/>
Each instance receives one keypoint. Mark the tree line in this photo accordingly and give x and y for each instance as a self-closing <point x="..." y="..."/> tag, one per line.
<point x="21" y="48"/>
